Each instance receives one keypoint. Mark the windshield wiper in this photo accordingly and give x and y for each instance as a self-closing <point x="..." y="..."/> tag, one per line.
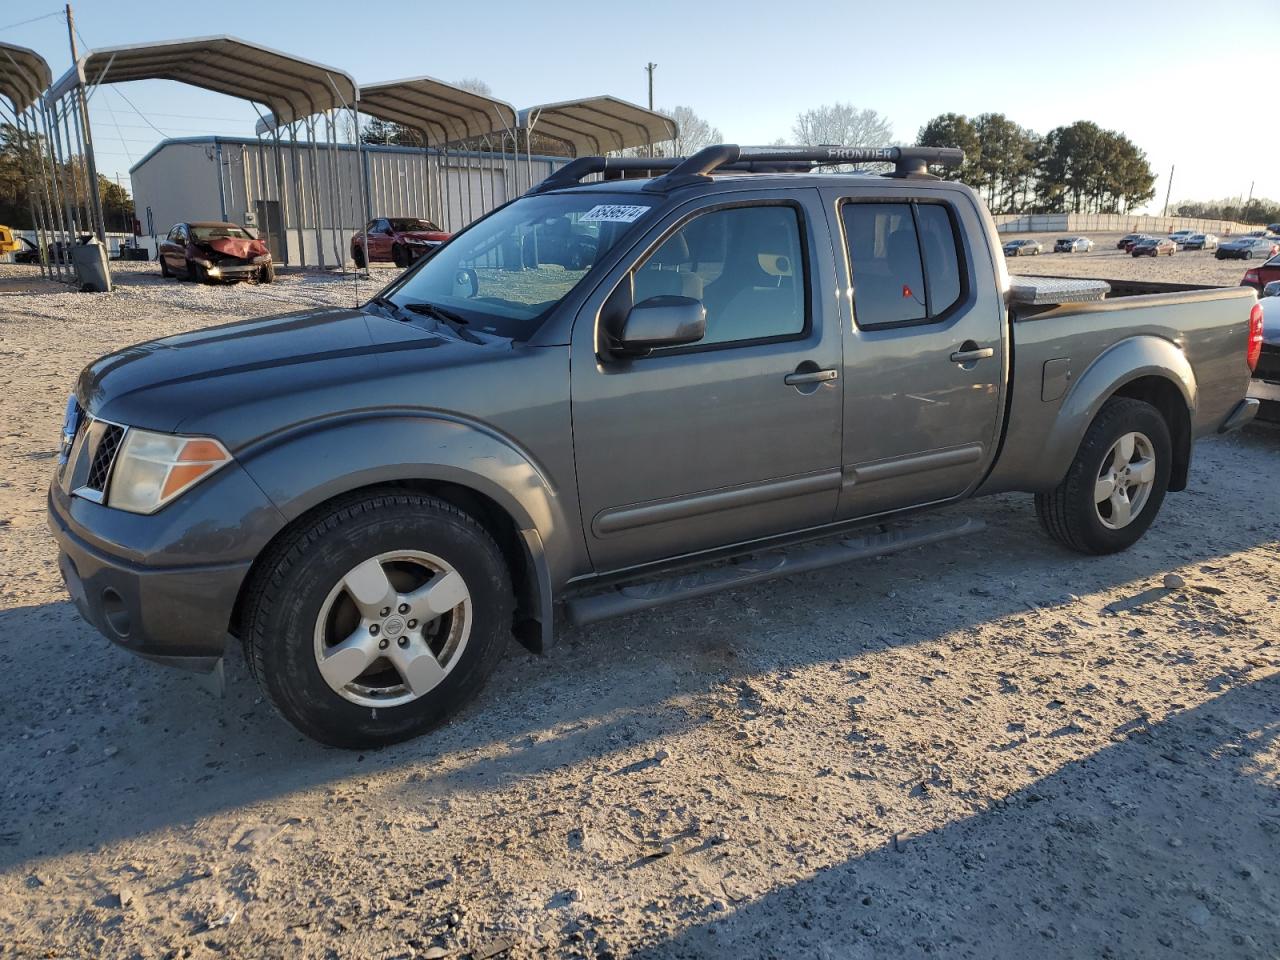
<point x="455" y="322"/>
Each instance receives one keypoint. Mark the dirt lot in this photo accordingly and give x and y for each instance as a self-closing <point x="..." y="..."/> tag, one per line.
<point x="981" y="749"/>
<point x="1105" y="261"/>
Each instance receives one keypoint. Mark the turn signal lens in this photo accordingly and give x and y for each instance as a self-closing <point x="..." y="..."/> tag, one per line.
<point x="1255" y="337"/>
<point x="154" y="468"/>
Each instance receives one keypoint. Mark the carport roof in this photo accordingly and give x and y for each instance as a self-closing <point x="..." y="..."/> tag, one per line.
<point x="291" y="88"/>
<point x="595" y="125"/>
<point x="23" y="75"/>
<point x="441" y="111"/>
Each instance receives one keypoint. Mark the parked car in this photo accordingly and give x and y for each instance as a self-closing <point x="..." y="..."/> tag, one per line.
<point x="1127" y="240"/>
<point x="1265" y="385"/>
<point x="1274" y="228"/>
<point x="398" y="240"/>
<point x="1129" y="243"/>
<point x="1201" y="241"/>
<point x="1180" y="237"/>
<point x="1245" y="248"/>
<point x="374" y="499"/>
<point x="1259" y="277"/>
<point x="27" y="251"/>
<point x="1154" y="247"/>
<point x="208" y="250"/>
<point x="1023" y="248"/>
<point x="1073" y="245"/>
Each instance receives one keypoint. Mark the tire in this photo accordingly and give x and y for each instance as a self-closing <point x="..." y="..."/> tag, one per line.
<point x="399" y="256"/>
<point x="357" y="256"/>
<point x="295" y="587"/>
<point x="164" y="269"/>
<point x="1071" y="515"/>
<point x="201" y="275"/>
<point x="1248" y="254"/>
<point x="267" y="274"/>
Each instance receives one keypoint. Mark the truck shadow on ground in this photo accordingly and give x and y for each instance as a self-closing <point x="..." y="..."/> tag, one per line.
<point x="85" y="719"/>
<point x="1110" y="852"/>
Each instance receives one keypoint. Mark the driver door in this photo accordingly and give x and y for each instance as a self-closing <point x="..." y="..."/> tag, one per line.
<point x="735" y="437"/>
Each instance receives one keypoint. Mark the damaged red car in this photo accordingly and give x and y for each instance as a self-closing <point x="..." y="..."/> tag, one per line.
<point x="205" y="251"/>
<point x="402" y="240"/>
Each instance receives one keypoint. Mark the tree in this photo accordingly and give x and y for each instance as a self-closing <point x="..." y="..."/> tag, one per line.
<point x="1006" y="160"/>
<point x="1085" y="169"/>
<point x="694" y="132"/>
<point x="842" y="124"/>
<point x="23" y="166"/>
<point x="475" y="85"/>
<point x="954" y="130"/>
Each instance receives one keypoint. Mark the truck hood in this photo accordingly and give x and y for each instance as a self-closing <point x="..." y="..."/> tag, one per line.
<point x="204" y="380"/>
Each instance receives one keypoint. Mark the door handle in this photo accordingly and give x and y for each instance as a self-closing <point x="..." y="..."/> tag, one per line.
<point x="970" y="352"/>
<point x="810" y="376"/>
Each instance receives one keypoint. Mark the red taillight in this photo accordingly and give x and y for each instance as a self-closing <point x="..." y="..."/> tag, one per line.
<point x="1251" y="274"/>
<point x="1255" y="336"/>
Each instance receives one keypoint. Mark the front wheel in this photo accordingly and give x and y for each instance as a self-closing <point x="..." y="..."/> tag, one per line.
<point x="164" y="268"/>
<point x="399" y="256"/>
<point x="378" y="618"/>
<point x="357" y="257"/>
<point x="1116" y="483"/>
<point x="267" y="274"/>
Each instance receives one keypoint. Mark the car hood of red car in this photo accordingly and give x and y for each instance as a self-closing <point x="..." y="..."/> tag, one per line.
<point x="237" y="247"/>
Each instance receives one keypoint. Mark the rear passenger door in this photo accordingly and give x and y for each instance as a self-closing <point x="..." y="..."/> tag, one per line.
<point x="735" y="437"/>
<point x="924" y="347"/>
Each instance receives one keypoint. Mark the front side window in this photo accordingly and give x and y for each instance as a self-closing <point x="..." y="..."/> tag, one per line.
<point x="904" y="260"/>
<point x="746" y="265"/>
<point x="505" y="273"/>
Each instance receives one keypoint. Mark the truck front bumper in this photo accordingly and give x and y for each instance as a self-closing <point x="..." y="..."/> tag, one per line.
<point x="164" y="587"/>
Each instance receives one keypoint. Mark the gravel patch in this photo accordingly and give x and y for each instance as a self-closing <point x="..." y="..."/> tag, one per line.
<point x="988" y="748"/>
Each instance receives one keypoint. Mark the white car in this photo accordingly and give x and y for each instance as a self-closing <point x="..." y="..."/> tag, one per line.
<point x="1180" y="237"/>
<point x="1073" y="245"/>
<point x="1199" y="241"/>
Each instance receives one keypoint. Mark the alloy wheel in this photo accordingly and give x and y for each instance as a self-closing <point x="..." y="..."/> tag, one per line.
<point x="1125" y="481"/>
<point x="393" y="628"/>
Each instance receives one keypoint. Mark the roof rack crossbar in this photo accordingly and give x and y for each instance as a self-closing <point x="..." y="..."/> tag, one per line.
<point x="678" y="171"/>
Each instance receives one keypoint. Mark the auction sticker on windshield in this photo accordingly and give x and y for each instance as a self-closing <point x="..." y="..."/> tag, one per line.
<point x="613" y="213"/>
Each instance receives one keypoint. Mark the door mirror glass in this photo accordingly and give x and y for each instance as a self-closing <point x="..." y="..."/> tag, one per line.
<point x="663" y="321"/>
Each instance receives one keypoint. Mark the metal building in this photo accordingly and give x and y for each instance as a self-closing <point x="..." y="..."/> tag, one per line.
<point x="240" y="179"/>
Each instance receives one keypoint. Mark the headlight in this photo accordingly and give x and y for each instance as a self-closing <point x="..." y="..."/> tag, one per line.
<point x="153" y="468"/>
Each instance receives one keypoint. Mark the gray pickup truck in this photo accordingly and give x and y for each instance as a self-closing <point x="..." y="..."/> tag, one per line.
<point x="748" y="368"/>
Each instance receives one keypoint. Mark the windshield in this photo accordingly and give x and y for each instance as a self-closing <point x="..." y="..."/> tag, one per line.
<point x="221" y="230"/>
<point x="406" y="225"/>
<point x="504" y="274"/>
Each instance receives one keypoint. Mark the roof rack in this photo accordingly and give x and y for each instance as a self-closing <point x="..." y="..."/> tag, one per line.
<point x="680" y="171"/>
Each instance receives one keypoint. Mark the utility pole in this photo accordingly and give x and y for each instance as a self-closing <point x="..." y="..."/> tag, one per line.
<point x="649" y="68"/>
<point x="91" y="164"/>
<point x="1168" y="192"/>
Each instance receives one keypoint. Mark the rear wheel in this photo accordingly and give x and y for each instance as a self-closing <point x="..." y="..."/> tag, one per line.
<point x="378" y="619"/>
<point x="1116" y="483"/>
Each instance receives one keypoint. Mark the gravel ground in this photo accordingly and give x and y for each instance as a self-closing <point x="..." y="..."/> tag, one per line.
<point x="982" y="749"/>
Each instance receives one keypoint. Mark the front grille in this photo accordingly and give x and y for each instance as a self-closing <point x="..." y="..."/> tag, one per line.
<point x="104" y="456"/>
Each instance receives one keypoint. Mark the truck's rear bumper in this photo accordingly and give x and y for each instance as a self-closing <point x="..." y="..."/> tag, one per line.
<point x="1244" y="411"/>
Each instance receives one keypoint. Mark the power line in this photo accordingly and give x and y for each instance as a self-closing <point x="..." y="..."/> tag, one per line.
<point x="23" y="23"/>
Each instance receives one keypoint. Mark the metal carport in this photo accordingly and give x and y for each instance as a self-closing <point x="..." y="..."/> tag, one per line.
<point x="598" y="125"/>
<point x="24" y="74"/>
<point x="290" y="89"/>
<point x="444" y="115"/>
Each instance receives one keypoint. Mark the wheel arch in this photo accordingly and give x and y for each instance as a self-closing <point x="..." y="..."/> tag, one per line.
<point x="473" y="469"/>
<point x="1144" y="367"/>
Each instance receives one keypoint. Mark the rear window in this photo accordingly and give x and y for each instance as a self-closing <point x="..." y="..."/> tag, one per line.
<point x="905" y="262"/>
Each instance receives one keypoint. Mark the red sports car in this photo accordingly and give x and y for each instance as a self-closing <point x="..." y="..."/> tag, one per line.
<point x="400" y="240"/>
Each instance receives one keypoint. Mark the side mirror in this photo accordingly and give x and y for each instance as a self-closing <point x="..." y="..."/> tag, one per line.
<point x="664" y="321"/>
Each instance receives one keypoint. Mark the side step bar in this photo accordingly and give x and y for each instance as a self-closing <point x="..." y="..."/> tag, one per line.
<point x="632" y="597"/>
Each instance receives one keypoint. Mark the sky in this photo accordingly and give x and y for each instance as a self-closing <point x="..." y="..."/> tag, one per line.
<point x="1184" y="79"/>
